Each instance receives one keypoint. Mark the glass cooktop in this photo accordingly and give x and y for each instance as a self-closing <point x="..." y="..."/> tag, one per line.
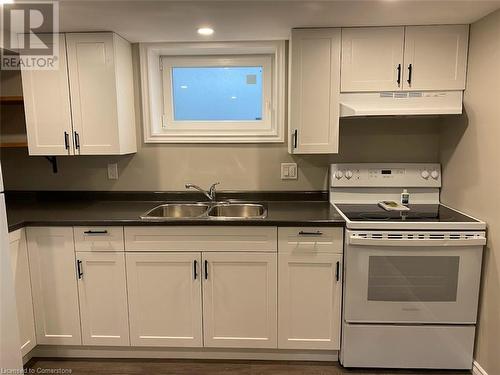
<point x="417" y="213"/>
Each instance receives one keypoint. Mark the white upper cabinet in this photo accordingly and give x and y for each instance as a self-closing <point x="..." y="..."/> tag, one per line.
<point x="102" y="93"/>
<point x="314" y="91"/>
<point x="47" y="107"/>
<point x="22" y="284"/>
<point x="372" y="59"/>
<point x="95" y="75"/>
<point x="240" y="300"/>
<point x="416" y="58"/>
<point x="53" y="279"/>
<point x="102" y="290"/>
<point x="436" y="57"/>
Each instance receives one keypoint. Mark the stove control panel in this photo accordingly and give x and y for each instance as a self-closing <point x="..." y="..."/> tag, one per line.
<point x="385" y="175"/>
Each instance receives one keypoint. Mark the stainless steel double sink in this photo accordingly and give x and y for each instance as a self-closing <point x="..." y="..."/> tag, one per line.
<point x="206" y="210"/>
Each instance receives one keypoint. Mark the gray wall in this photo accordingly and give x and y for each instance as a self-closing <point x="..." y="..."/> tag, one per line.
<point x="471" y="173"/>
<point x="236" y="166"/>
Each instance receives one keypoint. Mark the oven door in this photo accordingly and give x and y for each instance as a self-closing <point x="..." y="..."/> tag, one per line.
<point x="412" y="277"/>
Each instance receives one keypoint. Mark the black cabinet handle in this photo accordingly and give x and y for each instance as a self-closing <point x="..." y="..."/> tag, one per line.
<point x="66" y="140"/>
<point x="206" y="269"/>
<point x="304" y="233"/>
<point x="295" y="138"/>
<point x="77" y="141"/>
<point x="96" y="232"/>
<point x="410" y="72"/>
<point x="195" y="269"/>
<point x="79" y="271"/>
<point x="399" y="75"/>
<point x="337" y="271"/>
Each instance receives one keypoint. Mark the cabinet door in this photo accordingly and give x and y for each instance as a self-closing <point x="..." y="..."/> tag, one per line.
<point x="310" y="291"/>
<point x="239" y="300"/>
<point x="436" y="57"/>
<point x="102" y="288"/>
<point x="164" y="292"/>
<point x="314" y="91"/>
<point x="91" y="69"/>
<point x="372" y="59"/>
<point x="53" y="278"/>
<point x="47" y="107"/>
<point x="22" y="285"/>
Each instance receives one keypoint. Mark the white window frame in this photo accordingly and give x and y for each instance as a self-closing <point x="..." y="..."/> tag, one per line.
<point x="157" y="60"/>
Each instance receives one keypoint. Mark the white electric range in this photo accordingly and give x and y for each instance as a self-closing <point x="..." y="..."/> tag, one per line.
<point x="411" y="278"/>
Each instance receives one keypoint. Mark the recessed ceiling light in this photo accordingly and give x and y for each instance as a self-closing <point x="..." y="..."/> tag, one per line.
<point x="205" y="31"/>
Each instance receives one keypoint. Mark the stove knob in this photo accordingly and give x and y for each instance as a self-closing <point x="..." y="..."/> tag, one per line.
<point x="435" y="175"/>
<point x="348" y="175"/>
<point x="425" y="174"/>
<point x="338" y="175"/>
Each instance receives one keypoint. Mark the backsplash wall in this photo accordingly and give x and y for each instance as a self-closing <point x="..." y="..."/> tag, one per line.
<point x="157" y="167"/>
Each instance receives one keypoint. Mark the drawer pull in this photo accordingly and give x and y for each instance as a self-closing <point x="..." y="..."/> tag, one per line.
<point x="337" y="271"/>
<point x="96" y="232"/>
<point x="316" y="233"/>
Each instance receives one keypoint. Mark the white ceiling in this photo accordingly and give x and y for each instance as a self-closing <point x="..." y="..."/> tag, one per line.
<point x="147" y="21"/>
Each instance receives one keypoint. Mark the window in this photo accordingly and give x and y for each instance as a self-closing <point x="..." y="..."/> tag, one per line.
<point x="215" y="97"/>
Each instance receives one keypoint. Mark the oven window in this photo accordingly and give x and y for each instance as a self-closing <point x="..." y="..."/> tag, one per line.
<point x="413" y="278"/>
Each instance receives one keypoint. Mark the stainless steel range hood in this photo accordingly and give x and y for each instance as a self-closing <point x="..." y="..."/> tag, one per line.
<point x="400" y="103"/>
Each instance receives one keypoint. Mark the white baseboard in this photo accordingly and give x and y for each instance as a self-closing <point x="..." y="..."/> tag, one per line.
<point x="183" y="353"/>
<point x="477" y="369"/>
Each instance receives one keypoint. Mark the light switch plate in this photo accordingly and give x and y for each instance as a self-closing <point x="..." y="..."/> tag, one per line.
<point x="289" y="171"/>
<point x="113" y="171"/>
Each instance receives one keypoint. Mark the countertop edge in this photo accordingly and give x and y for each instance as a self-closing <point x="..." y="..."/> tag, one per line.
<point x="257" y="222"/>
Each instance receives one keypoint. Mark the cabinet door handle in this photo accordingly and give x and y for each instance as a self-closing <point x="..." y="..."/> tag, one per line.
<point x="195" y="269"/>
<point x="77" y="141"/>
<point x="295" y="138"/>
<point x="305" y="233"/>
<point x="96" y="232"/>
<point x="410" y="72"/>
<point x="66" y="140"/>
<point x="399" y="75"/>
<point x="79" y="269"/>
<point x="337" y="271"/>
<point x="206" y="269"/>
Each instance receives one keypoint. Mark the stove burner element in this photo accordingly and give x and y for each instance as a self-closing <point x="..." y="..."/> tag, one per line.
<point x="374" y="216"/>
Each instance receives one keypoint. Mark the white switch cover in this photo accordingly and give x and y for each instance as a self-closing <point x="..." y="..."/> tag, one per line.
<point x="113" y="171"/>
<point x="289" y="171"/>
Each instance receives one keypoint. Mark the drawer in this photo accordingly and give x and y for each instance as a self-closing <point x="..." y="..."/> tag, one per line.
<point x="200" y="238"/>
<point x="310" y="239"/>
<point x="99" y="238"/>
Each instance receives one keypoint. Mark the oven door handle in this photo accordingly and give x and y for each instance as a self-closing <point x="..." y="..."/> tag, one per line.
<point x="477" y="240"/>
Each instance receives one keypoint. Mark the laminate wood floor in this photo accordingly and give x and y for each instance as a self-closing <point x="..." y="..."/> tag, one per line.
<point x="204" y="367"/>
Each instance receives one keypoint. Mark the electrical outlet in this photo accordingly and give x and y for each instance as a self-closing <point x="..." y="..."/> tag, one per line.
<point x="289" y="171"/>
<point x="112" y="171"/>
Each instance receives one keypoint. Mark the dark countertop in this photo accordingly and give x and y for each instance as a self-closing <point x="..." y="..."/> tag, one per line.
<point x="87" y="212"/>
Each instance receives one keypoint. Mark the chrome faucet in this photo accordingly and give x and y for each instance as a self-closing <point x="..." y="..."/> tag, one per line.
<point x="210" y="193"/>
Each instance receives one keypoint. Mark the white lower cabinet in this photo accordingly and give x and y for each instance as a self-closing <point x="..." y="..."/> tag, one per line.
<point x="53" y="279"/>
<point x="177" y="297"/>
<point x="102" y="290"/>
<point x="164" y="291"/>
<point x="309" y="301"/>
<point x="240" y="300"/>
<point x="22" y="284"/>
<point x="309" y="288"/>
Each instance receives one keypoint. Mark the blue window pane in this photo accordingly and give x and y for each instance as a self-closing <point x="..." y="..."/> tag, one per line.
<point x="217" y="93"/>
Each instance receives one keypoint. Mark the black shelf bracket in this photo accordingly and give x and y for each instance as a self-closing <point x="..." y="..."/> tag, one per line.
<point x="53" y="161"/>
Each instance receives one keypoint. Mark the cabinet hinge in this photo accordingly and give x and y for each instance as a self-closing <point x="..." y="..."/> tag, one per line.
<point x="161" y="64"/>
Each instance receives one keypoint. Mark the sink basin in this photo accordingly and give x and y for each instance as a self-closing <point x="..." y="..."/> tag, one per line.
<point x="177" y="211"/>
<point x="238" y="210"/>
